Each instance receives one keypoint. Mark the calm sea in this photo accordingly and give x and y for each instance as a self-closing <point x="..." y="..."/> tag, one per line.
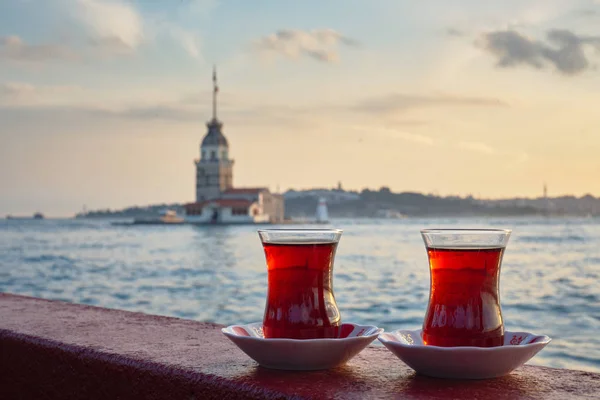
<point x="549" y="280"/>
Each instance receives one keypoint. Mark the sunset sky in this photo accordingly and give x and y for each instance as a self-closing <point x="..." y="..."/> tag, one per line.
<point x="103" y="102"/>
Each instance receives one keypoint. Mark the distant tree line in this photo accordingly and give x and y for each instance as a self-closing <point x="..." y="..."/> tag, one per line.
<point x="374" y="203"/>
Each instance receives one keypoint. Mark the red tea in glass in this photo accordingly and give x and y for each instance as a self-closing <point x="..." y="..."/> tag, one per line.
<point x="300" y="300"/>
<point x="464" y="302"/>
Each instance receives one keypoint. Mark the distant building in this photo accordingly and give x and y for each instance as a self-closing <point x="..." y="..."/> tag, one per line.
<point x="217" y="201"/>
<point x="322" y="214"/>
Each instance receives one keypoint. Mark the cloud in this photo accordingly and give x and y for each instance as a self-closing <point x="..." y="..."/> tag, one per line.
<point x="190" y="13"/>
<point x="111" y="23"/>
<point x="189" y="41"/>
<point x="116" y="27"/>
<point x="92" y="29"/>
<point x="319" y="44"/>
<point x="394" y="133"/>
<point x="151" y="112"/>
<point x="587" y="12"/>
<point x="563" y="49"/>
<point x="477" y="147"/>
<point x="401" y="101"/>
<point x="454" y="32"/>
<point x="412" y="137"/>
<point x="181" y="112"/>
<point x="511" y="48"/>
<point x="569" y="56"/>
<point x="16" y="89"/>
<point x="89" y="28"/>
<point x="22" y="94"/>
<point x="196" y="107"/>
<point x="13" y="48"/>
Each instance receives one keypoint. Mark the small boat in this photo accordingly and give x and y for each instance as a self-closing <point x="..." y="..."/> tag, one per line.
<point x="167" y="217"/>
<point x="389" y="214"/>
<point x="37" y="215"/>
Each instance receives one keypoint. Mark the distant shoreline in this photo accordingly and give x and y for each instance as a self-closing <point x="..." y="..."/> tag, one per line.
<point x="384" y="203"/>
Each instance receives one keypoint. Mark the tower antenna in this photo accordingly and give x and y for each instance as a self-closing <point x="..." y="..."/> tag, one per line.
<point x="215" y="90"/>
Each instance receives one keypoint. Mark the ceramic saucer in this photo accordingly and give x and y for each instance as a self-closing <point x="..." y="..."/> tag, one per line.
<point x="306" y="354"/>
<point x="463" y="362"/>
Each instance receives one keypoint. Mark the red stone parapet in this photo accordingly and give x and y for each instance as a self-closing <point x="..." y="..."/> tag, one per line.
<point x="56" y="350"/>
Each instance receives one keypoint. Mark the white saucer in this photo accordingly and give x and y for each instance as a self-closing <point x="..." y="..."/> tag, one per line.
<point x="301" y="355"/>
<point x="463" y="362"/>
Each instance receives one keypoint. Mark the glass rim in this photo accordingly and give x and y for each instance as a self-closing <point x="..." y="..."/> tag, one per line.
<point x="300" y="236"/>
<point x="468" y="231"/>
<point x="466" y="238"/>
<point x="300" y="230"/>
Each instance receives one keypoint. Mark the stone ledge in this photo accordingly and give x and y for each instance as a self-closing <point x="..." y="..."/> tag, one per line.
<point x="56" y="350"/>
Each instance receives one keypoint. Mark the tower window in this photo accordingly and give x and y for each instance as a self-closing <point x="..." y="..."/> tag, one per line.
<point x="213" y="155"/>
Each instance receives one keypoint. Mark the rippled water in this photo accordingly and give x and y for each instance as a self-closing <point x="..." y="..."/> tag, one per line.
<point x="549" y="279"/>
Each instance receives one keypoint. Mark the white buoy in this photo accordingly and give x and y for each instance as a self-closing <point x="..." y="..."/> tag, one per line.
<point x="322" y="215"/>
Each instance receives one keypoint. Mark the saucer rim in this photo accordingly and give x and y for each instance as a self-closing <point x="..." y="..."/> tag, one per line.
<point x="545" y="340"/>
<point x="378" y="331"/>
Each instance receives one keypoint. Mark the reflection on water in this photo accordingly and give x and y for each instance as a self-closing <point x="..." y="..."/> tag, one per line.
<point x="549" y="278"/>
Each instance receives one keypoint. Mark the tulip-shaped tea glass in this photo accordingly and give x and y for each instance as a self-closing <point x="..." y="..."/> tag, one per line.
<point x="300" y="300"/>
<point x="464" y="300"/>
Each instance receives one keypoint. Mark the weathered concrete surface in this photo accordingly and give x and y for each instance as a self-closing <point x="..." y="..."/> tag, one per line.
<point x="55" y="350"/>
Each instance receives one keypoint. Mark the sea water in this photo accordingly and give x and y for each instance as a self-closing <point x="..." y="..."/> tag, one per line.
<point x="549" y="282"/>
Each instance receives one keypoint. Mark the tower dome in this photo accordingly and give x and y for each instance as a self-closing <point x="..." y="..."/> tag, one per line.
<point x="214" y="136"/>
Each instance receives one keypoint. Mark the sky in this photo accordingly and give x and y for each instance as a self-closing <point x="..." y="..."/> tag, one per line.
<point x="103" y="103"/>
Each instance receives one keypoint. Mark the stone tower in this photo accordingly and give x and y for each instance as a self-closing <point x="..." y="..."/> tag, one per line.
<point x="214" y="169"/>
